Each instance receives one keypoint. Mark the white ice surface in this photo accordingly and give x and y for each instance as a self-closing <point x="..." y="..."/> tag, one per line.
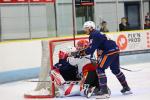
<point x="138" y="81"/>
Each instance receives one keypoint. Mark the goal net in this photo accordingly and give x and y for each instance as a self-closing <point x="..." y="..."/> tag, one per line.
<point x="50" y="48"/>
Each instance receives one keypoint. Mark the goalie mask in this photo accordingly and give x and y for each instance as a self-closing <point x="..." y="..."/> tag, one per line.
<point x="63" y="55"/>
<point x="82" y="44"/>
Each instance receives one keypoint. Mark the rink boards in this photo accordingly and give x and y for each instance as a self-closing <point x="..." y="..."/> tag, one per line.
<point x="23" y="57"/>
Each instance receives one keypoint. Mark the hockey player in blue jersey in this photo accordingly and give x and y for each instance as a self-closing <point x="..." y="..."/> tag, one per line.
<point x="108" y="58"/>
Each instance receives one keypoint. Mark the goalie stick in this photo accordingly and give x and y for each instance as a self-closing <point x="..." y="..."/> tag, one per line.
<point x="120" y="67"/>
<point x="67" y="82"/>
<point x="37" y="81"/>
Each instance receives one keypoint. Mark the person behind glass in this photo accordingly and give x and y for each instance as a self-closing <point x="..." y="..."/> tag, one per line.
<point x="104" y="27"/>
<point x="147" y="24"/>
<point x="123" y="26"/>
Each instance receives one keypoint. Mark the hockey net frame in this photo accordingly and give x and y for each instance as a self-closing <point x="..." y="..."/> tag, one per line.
<point x="50" y="50"/>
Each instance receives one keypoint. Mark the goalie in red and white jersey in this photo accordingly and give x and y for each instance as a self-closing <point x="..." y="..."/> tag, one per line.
<point x="86" y="71"/>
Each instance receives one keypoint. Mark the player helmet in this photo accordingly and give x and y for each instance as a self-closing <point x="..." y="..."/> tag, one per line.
<point x="89" y="24"/>
<point x="63" y="55"/>
<point x="82" y="44"/>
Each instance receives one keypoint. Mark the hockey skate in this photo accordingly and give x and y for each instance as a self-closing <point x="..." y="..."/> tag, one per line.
<point x="103" y="94"/>
<point x="126" y="90"/>
<point x="84" y="89"/>
<point x="90" y="92"/>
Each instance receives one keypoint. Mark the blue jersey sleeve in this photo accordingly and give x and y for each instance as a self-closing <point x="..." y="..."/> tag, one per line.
<point x="97" y="42"/>
<point x="93" y="46"/>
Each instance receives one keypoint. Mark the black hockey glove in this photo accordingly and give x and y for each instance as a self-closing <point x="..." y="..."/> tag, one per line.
<point x="76" y="54"/>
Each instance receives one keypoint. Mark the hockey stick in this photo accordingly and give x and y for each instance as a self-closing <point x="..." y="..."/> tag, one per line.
<point x="67" y="82"/>
<point x="131" y="70"/>
<point x="120" y="67"/>
<point x="38" y="81"/>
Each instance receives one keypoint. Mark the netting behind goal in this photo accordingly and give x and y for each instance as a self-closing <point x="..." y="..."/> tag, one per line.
<point x="50" y="50"/>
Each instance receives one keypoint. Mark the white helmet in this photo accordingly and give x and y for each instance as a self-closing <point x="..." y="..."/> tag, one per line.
<point x="89" y="24"/>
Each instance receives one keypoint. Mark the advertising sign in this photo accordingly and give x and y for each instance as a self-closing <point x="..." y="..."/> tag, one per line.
<point x="132" y="40"/>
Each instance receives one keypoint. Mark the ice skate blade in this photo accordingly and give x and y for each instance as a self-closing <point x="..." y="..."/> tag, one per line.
<point x="127" y="93"/>
<point x="105" y="96"/>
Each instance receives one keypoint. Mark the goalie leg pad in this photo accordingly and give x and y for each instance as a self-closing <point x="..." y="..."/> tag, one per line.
<point x="57" y="77"/>
<point x="68" y="90"/>
<point x="72" y="89"/>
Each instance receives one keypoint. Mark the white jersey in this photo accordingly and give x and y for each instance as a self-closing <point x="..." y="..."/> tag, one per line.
<point x="80" y="62"/>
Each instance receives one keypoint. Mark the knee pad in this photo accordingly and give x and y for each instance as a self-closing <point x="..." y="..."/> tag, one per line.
<point x="57" y="77"/>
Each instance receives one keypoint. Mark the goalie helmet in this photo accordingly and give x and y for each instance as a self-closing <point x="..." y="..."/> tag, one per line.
<point x="89" y="24"/>
<point x="82" y="44"/>
<point x="63" y="55"/>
